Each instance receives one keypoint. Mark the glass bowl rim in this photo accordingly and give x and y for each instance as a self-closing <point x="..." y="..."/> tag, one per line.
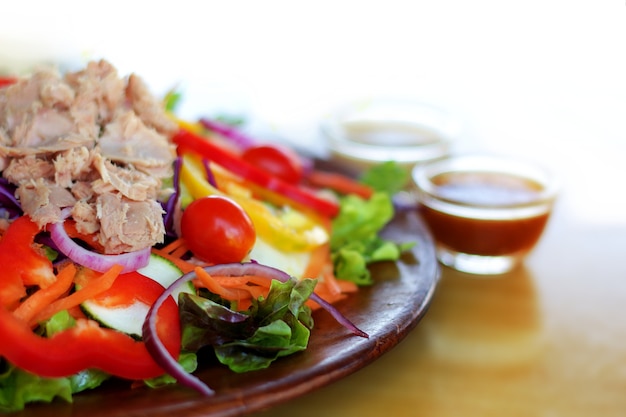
<point x="421" y="176"/>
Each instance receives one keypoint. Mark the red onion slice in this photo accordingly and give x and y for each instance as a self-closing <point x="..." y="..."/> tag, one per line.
<point x="341" y="319"/>
<point x="169" y="364"/>
<point x="131" y="261"/>
<point x="158" y="350"/>
<point x="240" y="139"/>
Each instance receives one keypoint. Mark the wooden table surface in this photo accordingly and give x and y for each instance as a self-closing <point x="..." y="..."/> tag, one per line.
<point x="548" y="339"/>
<point x="540" y="78"/>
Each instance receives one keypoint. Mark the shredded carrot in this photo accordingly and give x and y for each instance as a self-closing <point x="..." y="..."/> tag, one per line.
<point x="90" y="239"/>
<point x="211" y="284"/>
<point x="235" y="282"/>
<point x="330" y="282"/>
<point x="256" y="291"/>
<point x="174" y="252"/>
<point x="328" y="286"/>
<point x="245" y="304"/>
<point x="43" y="297"/>
<point x="91" y="288"/>
<point x="255" y="285"/>
<point x="240" y="289"/>
<point x="319" y="260"/>
<point x="332" y="289"/>
<point x="173" y="245"/>
<point x="180" y="251"/>
<point x="347" y="286"/>
<point x="327" y="293"/>
<point x="243" y="289"/>
<point x="77" y="313"/>
<point x="183" y="265"/>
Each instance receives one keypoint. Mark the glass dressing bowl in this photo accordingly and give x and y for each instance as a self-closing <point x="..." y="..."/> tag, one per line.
<point x="367" y="132"/>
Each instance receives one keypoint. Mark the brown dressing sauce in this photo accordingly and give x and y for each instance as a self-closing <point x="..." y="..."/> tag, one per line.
<point x="481" y="236"/>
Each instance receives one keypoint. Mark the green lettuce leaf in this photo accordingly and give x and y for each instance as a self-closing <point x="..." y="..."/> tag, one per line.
<point x="275" y="326"/>
<point x="171" y="100"/>
<point x="388" y="177"/>
<point x="355" y="240"/>
<point x="59" y="322"/>
<point x="18" y="388"/>
<point x="189" y="362"/>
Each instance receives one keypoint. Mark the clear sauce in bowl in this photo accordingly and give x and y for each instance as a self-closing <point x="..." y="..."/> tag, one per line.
<point x="367" y="133"/>
<point x="390" y="133"/>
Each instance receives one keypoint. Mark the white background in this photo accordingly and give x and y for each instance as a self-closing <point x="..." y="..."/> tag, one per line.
<point x="544" y="79"/>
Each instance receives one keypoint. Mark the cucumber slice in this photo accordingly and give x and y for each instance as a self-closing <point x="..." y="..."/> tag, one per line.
<point x="165" y="273"/>
<point x="124" y="319"/>
<point x="129" y="319"/>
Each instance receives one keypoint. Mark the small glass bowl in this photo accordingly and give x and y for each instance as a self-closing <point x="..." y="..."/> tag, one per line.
<point x="368" y="132"/>
<point x="485" y="212"/>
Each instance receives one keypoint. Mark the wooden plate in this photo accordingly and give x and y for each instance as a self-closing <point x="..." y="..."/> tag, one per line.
<point x="387" y="311"/>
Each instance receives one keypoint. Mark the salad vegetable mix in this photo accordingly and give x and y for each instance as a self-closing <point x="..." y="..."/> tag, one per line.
<point x="130" y="240"/>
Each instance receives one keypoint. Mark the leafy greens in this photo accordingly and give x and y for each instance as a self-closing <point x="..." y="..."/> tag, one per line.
<point x="275" y="326"/>
<point x="355" y="241"/>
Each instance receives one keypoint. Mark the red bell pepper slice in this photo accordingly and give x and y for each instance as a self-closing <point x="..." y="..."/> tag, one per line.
<point x="129" y="288"/>
<point x="339" y="183"/>
<point x="4" y="81"/>
<point x="84" y="346"/>
<point x="191" y="142"/>
<point x="90" y="346"/>
<point x="23" y="263"/>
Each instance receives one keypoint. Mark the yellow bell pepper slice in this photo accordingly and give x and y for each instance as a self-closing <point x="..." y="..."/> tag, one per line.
<point x="284" y="228"/>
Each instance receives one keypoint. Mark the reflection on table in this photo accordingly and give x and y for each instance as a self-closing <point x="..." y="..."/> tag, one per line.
<point x="544" y="339"/>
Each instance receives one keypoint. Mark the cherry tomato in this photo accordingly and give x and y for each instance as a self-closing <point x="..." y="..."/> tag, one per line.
<point x="276" y="160"/>
<point x="217" y="230"/>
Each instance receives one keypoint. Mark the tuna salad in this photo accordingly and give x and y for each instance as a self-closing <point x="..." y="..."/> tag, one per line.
<point x="90" y="144"/>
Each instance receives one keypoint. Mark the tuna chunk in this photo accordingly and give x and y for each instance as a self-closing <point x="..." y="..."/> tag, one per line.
<point x="93" y="142"/>
<point x="83" y="190"/>
<point x="99" y="92"/>
<point x="147" y="108"/>
<point x="34" y="116"/>
<point x="86" y="219"/>
<point x="43" y="201"/>
<point x="127" y="225"/>
<point x="20" y="100"/>
<point x="131" y="183"/>
<point x="42" y="129"/>
<point x="28" y="168"/>
<point x="72" y="165"/>
<point x="128" y="140"/>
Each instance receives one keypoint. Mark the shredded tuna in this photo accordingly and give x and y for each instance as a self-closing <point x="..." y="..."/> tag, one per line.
<point x="21" y="170"/>
<point x="43" y="201"/>
<point x="128" y="140"/>
<point x="128" y="181"/>
<point x="92" y="141"/>
<point x="124" y="223"/>
<point x="73" y="165"/>
<point x="86" y="218"/>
